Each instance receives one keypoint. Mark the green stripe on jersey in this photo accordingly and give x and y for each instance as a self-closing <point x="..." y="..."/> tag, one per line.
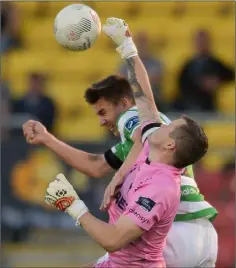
<point x="209" y="213"/>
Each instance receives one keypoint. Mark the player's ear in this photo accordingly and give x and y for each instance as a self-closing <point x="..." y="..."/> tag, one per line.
<point x="124" y="102"/>
<point x="170" y="144"/>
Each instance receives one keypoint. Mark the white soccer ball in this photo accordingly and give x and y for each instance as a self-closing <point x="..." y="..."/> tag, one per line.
<point x="77" y="27"/>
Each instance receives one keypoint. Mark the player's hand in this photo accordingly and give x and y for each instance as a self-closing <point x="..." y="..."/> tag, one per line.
<point x="111" y="190"/>
<point x="35" y="132"/>
<point x="61" y="194"/>
<point x="118" y="31"/>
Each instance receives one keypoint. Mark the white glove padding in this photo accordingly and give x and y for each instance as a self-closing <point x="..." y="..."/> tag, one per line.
<point x="118" y="31"/>
<point x="61" y="194"/>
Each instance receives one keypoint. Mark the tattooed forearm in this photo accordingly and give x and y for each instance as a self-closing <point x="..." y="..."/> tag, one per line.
<point x="138" y="92"/>
<point x="143" y="98"/>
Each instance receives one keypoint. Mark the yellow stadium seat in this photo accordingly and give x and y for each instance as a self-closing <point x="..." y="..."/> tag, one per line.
<point x="174" y="57"/>
<point x="70" y="63"/>
<point x="68" y="95"/>
<point x="18" y="86"/>
<point x="209" y="8"/>
<point x="27" y="8"/>
<point x="186" y="27"/>
<point x="39" y="35"/>
<point x="156" y="26"/>
<point x="82" y="128"/>
<point x="56" y="6"/>
<point x="220" y="134"/>
<point x="22" y="63"/>
<point x="119" y="9"/>
<point x="157" y="9"/>
<point x="225" y="52"/>
<point x="213" y="161"/>
<point x="226" y="99"/>
<point x="85" y="65"/>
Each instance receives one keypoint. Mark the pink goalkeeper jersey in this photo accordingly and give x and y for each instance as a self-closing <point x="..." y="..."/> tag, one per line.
<point x="150" y="196"/>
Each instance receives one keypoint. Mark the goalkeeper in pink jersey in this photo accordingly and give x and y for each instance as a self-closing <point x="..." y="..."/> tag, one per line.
<point x="145" y="207"/>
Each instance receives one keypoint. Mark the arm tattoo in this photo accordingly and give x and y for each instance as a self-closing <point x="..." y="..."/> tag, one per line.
<point x="138" y="92"/>
<point x="95" y="157"/>
<point x="143" y="103"/>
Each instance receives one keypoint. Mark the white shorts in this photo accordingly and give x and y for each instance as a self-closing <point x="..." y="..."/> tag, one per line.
<point x="191" y="244"/>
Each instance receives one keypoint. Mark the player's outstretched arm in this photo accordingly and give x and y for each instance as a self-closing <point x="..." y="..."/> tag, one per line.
<point x="94" y="165"/>
<point x="61" y="194"/>
<point x="120" y="174"/>
<point x="119" y="32"/>
<point x="143" y="95"/>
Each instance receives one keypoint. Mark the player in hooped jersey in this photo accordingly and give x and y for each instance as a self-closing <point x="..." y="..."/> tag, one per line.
<point x="130" y="122"/>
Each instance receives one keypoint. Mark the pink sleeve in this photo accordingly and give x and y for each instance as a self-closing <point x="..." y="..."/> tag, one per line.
<point x="147" y="206"/>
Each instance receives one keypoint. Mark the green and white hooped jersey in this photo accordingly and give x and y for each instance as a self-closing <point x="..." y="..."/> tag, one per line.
<point x="192" y="204"/>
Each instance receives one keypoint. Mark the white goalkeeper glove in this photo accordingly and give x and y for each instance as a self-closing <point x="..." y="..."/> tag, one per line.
<point x="61" y="194"/>
<point x="118" y="31"/>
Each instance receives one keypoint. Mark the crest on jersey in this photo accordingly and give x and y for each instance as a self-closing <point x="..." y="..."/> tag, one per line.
<point x="131" y="123"/>
<point x="146" y="203"/>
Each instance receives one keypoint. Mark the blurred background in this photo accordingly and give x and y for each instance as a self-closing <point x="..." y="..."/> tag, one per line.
<point x="188" y="50"/>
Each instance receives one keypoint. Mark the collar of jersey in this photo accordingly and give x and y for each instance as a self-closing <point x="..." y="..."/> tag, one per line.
<point x="161" y="165"/>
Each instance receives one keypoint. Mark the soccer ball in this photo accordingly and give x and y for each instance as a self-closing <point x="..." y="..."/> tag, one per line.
<point x="77" y="27"/>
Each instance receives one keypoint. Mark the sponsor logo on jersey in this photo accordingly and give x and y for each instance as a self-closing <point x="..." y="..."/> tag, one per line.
<point x="189" y="190"/>
<point x="146" y="203"/>
<point x="131" y="123"/>
<point x="141" y="218"/>
<point x="120" y="201"/>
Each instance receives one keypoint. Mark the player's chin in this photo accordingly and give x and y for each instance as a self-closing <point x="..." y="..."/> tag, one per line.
<point x="111" y="128"/>
<point x="116" y="133"/>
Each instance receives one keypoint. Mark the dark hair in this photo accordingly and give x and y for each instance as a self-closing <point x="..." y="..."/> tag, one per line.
<point x="191" y="143"/>
<point x="113" y="89"/>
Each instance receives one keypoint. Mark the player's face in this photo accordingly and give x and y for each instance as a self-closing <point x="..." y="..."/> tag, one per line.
<point x="108" y="114"/>
<point x="162" y="138"/>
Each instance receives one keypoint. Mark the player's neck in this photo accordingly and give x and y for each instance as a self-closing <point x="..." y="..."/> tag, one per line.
<point x="159" y="156"/>
<point x="129" y="106"/>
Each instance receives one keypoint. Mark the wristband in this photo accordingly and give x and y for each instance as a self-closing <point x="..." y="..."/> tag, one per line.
<point x="77" y="210"/>
<point x="127" y="49"/>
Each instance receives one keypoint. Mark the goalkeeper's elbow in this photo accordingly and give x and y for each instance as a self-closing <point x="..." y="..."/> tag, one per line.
<point x="112" y="247"/>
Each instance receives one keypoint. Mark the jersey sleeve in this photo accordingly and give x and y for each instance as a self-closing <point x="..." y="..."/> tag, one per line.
<point x="148" y="128"/>
<point x="128" y="123"/>
<point x="147" y="206"/>
<point x="114" y="156"/>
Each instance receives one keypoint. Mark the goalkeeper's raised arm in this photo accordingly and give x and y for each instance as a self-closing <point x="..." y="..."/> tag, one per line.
<point x="119" y="32"/>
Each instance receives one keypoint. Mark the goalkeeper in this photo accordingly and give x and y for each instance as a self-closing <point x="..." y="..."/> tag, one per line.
<point x="125" y="113"/>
